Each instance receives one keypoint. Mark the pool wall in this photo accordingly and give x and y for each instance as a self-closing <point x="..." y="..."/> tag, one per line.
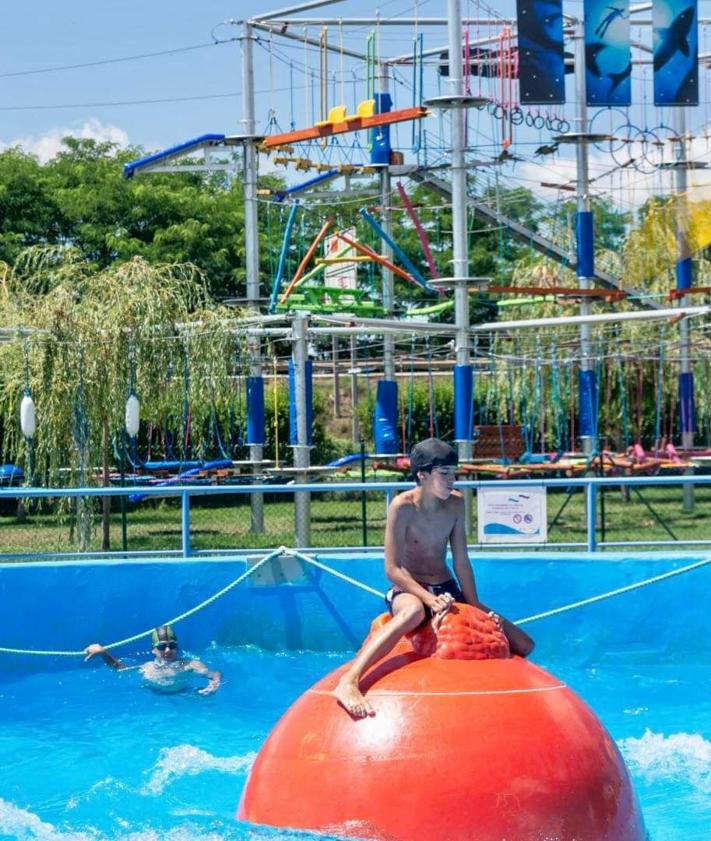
<point x="67" y="605"/>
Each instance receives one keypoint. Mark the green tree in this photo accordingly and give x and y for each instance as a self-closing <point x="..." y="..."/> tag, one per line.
<point x="81" y="199"/>
<point x="29" y="212"/>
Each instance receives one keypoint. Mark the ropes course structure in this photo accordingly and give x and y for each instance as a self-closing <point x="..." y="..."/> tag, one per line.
<point x="531" y="254"/>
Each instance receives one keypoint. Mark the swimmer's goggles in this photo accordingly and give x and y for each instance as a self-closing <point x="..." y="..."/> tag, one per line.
<point x="162" y="646"/>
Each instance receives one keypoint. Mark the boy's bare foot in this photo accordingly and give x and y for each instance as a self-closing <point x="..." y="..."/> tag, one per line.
<point x="352" y="699"/>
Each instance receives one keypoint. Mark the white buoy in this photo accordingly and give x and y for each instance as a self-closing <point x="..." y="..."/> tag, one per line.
<point x="133" y="416"/>
<point x="27" y="416"/>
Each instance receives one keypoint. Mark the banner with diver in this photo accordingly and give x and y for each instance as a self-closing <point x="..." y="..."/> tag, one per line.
<point x="511" y="517"/>
<point x="541" y="62"/>
<point x="608" y="54"/>
<point x="676" y="52"/>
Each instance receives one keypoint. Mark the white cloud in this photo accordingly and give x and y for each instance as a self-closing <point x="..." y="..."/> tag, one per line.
<point x="47" y="145"/>
<point x="636" y="172"/>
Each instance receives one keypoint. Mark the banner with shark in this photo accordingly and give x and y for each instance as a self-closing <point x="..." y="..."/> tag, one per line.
<point x="541" y="63"/>
<point x="608" y="55"/>
<point x="676" y="52"/>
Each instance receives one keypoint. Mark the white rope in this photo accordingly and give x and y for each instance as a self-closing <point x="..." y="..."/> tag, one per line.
<point x="346" y="578"/>
<point x="149" y="631"/>
<point x="618" y="592"/>
<point x="282" y="550"/>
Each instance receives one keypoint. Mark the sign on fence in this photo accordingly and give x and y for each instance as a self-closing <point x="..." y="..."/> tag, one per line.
<point x="512" y="516"/>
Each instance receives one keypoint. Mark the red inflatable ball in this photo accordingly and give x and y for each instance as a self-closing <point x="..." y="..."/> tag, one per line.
<point x="467" y="744"/>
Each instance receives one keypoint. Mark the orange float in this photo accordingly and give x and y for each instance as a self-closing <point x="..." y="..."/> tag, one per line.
<point x="467" y="744"/>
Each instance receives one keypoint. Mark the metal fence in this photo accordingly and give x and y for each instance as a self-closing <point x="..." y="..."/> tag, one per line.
<point x="586" y="513"/>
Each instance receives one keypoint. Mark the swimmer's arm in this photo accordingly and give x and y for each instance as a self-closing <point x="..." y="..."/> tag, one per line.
<point x="395" y="535"/>
<point x="215" y="678"/>
<point x="108" y="658"/>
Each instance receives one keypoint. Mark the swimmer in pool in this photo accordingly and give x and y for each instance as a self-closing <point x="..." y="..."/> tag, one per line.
<point x="167" y="672"/>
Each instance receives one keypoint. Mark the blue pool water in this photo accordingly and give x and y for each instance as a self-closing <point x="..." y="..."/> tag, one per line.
<point x="88" y="754"/>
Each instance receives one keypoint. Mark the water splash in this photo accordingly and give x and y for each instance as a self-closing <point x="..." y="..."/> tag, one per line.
<point x="681" y="757"/>
<point x="187" y="760"/>
<point x="21" y="825"/>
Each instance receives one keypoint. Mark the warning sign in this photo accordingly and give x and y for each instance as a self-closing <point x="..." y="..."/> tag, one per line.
<point x="341" y="274"/>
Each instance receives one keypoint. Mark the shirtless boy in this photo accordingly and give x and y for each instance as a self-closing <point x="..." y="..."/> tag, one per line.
<point x="420" y="524"/>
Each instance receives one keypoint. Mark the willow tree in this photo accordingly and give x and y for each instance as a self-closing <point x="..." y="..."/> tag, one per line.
<point x="82" y="338"/>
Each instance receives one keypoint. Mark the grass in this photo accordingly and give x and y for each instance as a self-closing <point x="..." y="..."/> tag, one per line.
<point x="156" y="526"/>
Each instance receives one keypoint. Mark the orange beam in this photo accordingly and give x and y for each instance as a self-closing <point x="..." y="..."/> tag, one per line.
<point x="353" y="124"/>
<point x="309" y="254"/>
<point x="378" y="259"/>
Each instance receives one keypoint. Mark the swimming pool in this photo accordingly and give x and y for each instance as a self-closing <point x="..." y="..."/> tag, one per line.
<point x="89" y="754"/>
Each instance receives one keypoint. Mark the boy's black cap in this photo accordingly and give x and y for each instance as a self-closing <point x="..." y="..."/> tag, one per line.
<point x="432" y="453"/>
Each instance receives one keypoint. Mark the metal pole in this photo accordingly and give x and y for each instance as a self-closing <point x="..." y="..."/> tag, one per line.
<point x="355" y="426"/>
<point x="386" y="221"/>
<point x="591" y="506"/>
<point x="460" y="263"/>
<point x="363" y="499"/>
<point x="292" y="10"/>
<point x="302" y="450"/>
<point x="585" y="267"/>
<point x="251" y="247"/>
<point x="124" y="523"/>
<point x="684" y="280"/>
<point x="336" y="383"/>
<point x="185" y="523"/>
<point x="598" y="318"/>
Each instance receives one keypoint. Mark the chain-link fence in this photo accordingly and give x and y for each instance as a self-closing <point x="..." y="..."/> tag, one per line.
<point x="628" y="512"/>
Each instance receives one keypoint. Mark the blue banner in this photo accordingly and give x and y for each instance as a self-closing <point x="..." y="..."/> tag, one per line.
<point x="608" y="55"/>
<point x="541" y="62"/>
<point x="676" y="52"/>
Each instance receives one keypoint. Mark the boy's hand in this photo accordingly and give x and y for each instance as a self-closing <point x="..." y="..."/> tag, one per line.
<point x="91" y="650"/>
<point x="497" y="619"/>
<point x="440" y="606"/>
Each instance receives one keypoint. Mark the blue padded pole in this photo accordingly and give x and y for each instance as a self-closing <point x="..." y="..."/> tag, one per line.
<point x="463" y="402"/>
<point x="686" y="402"/>
<point x="385" y="418"/>
<point x="379" y="139"/>
<point x="587" y="390"/>
<point x="255" y="410"/>
<point x="585" y="244"/>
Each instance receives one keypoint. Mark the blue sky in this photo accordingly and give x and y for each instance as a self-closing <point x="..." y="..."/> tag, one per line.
<point x="38" y="36"/>
<point x="194" y="87"/>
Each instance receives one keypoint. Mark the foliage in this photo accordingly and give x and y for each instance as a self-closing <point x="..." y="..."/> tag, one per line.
<point x="80" y="198"/>
<point x="95" y="332"/>
<point x="276" y="427"/>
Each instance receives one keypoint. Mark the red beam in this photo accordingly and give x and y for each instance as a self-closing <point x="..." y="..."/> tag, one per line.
<point x="675" y="294"/>
<point x="352" y="124"/>
<point x="421" y="233"/>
